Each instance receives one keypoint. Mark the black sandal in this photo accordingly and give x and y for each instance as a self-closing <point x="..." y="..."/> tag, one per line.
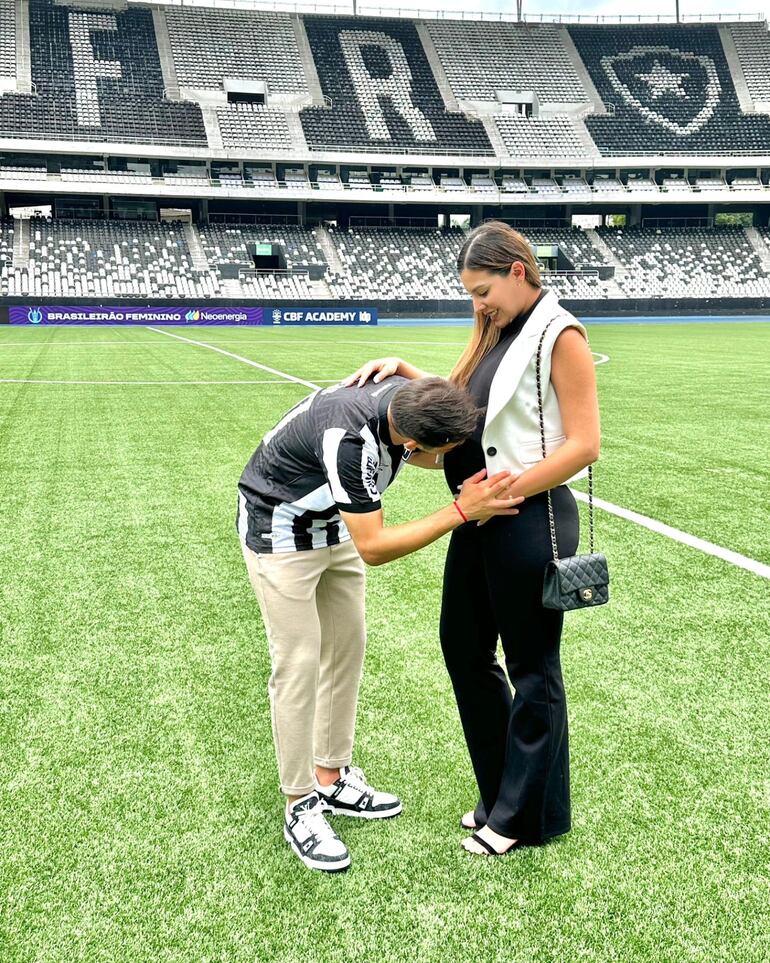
<point x="516" y="844"/>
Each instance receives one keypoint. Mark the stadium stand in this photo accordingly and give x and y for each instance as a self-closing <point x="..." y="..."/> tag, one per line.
<point x="382" y="92"/>
<point x="97" y="77"/>
<point x="675" y="185"/>
<point x="764" y="234"/>
<point x="449" y="183"/>
<point x="575" y="244"/>
<point x="391" y="182"/>
<point x="481" y="58"/>
<point x="86" y="258"/>
<point x="328" y="181"/>
<point x="687" y="262"/>
<point x="107" y="73"/>
<point x="642" y="184"/>
<point x="23" y="172"/>
<point x="74" y="259"/>
<point x="289" y="287"/>
<point x="209" y="45"/>
<point x="581" y="286"/>
<point x="539" y="136"/>
<point x="576" y="187"/>
<point x="7" y="38"/>
<point x="253" y="127"/>
<point x="6" y="252"/>
<point x="188" y="177"/>
<point x="231" y="178"/>
<point x="425" y="182"/>
<point x="607" y="184"/>
<point x="262" y="177"/>
<point x="483" y="183"/>
<point x="711" y="184"/>
<point x="409" y="263"/>
<point x="746" y="184"/>
<point x="513" y="185"/>
<point x="668" y="89"/>
<point x="360" y="180"/>
<point x="752" y="44"/>
<point x="546" y="186"/>
<point x="227" y="243"/>
<point x="139" y="174"/>
<point x="296" y="179"/>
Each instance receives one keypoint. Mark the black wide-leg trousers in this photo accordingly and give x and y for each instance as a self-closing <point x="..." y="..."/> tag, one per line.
<point x="518" y="744"/>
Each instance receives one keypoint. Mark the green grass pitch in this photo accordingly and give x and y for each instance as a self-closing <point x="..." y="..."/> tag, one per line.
<point x="139" y="814"/>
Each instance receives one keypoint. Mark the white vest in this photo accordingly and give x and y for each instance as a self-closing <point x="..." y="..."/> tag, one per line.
<point x="511" y="437"/>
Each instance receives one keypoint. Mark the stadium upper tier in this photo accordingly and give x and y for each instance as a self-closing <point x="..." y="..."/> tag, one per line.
<point x="210" y="45"/>
<point x="96" y="76"/>
<point x="481" y="58"/>
<point x="752" y="44"/>
<point x="667" y="90"/>
<point x="190" y="78"/>
<point x="73" y="259"/>
<point x="7" y="38"/>
<point x="382" y="92"/>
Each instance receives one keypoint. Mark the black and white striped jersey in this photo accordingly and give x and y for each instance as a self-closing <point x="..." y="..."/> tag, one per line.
<point x="332" y="452"/>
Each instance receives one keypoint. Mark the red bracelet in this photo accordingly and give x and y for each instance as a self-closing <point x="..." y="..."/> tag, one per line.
<point x="462" y="513"/>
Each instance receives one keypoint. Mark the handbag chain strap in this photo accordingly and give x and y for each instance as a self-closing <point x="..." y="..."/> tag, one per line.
<point x="551" y="520"/>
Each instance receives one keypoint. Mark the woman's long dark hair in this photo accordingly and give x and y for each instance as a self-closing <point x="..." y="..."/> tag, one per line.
<point x="492" y="246"/>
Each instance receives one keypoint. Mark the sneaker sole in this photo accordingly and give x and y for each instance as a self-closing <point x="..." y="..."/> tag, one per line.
<point x="385" y="814"/>
<point x="338" y="866"/>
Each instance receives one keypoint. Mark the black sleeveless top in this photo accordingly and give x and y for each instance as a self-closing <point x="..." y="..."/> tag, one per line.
<point x="465" y="460"/>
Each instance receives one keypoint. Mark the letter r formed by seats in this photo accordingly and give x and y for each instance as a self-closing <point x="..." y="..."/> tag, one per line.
<point x="397" y="87"/>
<point x="86" y="67"/>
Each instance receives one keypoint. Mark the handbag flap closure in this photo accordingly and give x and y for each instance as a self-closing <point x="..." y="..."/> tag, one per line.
<point x="582" y="572"/>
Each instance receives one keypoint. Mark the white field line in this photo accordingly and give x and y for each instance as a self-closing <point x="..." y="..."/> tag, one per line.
<point x="602" y="358"/>
<point x="684" y="538"/>
<point x="237" y="357"/>
<point x="41" y="381"/>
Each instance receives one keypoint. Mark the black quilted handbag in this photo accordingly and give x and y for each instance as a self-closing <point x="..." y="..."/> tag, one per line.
<point x="580" y="580"/>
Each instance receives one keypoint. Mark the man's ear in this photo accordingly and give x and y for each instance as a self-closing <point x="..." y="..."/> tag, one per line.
<point x="411" y="445"/>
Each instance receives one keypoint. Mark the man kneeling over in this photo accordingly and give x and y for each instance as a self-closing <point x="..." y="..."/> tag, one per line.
<point x="309" y="512"/>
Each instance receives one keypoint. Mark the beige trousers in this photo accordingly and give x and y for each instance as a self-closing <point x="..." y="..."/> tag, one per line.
<point x="312" y="604"/>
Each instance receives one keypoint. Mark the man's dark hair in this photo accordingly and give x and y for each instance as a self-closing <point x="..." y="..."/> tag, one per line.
<point x="434" y="412"/>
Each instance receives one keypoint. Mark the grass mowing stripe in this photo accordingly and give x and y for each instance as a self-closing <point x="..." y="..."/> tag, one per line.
<point x="237" y="357"/>
<point x="34" y="381"/>
<point x="139" y="811"/>
<point x="734" y="558"/>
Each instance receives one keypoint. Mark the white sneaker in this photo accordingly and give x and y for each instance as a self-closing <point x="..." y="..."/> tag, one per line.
<point x="351" y="795"/>
<point x="312" y="838"/>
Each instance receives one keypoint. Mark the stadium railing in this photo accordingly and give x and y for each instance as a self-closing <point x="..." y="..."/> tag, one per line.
<point x="428" y="13"/>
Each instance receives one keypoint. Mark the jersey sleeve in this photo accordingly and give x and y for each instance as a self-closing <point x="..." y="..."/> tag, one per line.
<point x="350" y="463"/>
